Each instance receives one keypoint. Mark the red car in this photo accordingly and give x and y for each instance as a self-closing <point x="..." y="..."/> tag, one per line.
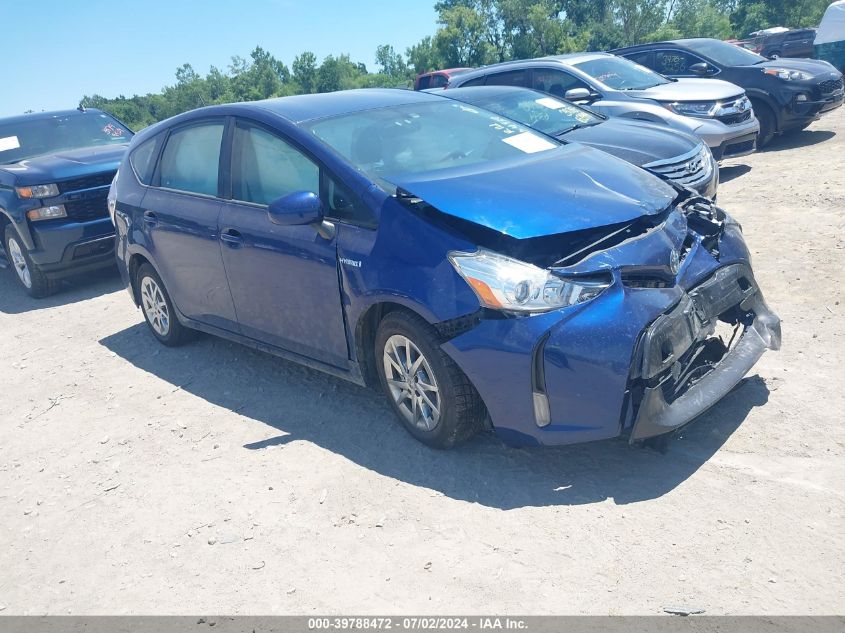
<point x="436" y="78"/>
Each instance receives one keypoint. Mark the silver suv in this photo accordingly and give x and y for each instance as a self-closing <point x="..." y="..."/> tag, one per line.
<point x="716" y="111"/>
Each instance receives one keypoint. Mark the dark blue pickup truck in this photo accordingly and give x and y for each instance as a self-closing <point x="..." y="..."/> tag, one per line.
<point x="55" y="172"/>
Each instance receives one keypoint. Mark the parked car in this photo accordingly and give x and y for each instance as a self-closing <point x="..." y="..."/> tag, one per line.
<point x="787" y="94"/>
<point x="829" y="44"/>
<point x="55" y="171"/>
<point x="676" y="155"/>
<point x="436" y="78"/>
<point x="719" y="114"/>
<point x="789" y="43"/>
<point x="480" y="272"/>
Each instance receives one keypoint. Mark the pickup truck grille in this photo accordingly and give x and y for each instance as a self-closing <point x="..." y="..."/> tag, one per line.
<point x="89" y="209"/>
<point x="88" y="182"/>
<point x="689" y="169"/>
<point x="830" y="86"/>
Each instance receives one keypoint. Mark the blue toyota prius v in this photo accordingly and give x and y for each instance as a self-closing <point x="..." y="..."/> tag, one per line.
<point x="484" y="275"/>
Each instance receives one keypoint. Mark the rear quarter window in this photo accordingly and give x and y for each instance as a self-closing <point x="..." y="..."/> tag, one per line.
<point x="143" y="158"/>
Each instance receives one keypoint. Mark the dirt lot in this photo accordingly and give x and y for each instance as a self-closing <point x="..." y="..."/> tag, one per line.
<point x="140" y="479"/>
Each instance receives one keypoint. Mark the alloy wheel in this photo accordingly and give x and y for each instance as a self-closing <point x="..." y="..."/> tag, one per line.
<point x="19" y="263"/>
<point x="412" y="383"/>
<point x="155" y="306"/>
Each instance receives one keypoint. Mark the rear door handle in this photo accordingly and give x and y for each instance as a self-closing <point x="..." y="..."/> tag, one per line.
<point x="150" y="218"/>
<point x="232" y="238"/>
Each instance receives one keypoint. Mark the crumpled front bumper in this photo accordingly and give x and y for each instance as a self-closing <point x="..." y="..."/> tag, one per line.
<point x="692" y="321"/>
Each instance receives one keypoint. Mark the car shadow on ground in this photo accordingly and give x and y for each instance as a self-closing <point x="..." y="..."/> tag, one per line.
<point x="794" y="140"/>
<point x="14" y="300"/>
<point x="729" y="172"/>
<point x="306" y="405"/>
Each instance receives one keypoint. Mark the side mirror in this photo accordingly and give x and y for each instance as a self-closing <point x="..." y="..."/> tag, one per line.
<point x="578" y="94"/>
<point x="701" y="68"/>
<point x="300" y="207"/>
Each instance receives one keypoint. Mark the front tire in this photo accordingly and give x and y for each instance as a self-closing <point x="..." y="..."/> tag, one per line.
<point x="158" y="308"/>
<point x="432" y="397"/>
<point x="30" y="277"/>
<point x="767" y="121"/>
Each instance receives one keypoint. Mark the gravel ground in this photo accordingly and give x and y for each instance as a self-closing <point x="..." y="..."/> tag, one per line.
<point x="136" y="479"/>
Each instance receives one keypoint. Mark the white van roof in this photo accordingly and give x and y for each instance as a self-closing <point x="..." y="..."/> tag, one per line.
<point x="832" y="27"/>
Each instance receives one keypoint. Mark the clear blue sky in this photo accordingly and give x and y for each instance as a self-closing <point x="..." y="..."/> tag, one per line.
<point x="56" y="51"/>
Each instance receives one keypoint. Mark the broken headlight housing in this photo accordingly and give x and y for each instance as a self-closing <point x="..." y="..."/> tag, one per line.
<point x="503" y="283"/>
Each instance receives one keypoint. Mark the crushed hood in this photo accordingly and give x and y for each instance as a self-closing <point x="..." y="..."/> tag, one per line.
<point x="570" y="188"/>
<point x="66" y="165"/>
<point x="690" y="90"/>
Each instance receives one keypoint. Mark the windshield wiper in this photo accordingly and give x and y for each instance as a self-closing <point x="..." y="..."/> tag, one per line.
<point x="577" y="126"/>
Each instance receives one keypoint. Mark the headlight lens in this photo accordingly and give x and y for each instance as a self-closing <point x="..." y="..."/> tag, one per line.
<point x="38" y="191"/>
<point x="47" y="213"/>
<point x="788" y="74"/>
<point x="504" y="283"/>
<point x="702" y="109"/>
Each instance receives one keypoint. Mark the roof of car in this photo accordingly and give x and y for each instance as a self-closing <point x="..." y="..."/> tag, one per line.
<point x="300" y="108"/>
<point x="568" y="58"/>
<point x="34" y="116"/>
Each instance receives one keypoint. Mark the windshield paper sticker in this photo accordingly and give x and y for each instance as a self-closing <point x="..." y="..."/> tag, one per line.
<point x="529" y="143"/>
<point x="9" y="142"/>
<point x="551" y="104"/>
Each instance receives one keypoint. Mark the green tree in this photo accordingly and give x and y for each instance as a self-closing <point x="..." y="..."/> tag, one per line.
<point x="305" y="71"/>
<point x="390" y="62"/>
<point x="462" y="38"/>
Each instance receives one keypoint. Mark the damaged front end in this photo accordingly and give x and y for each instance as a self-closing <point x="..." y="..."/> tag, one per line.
<point x="679" y="325"/>
<point x="694" y="354"/>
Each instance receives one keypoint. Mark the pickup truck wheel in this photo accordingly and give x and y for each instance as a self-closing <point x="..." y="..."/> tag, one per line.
<point x="31" y="278"/>
<point x="158" y="309"/>
<point x="432" y="397"/>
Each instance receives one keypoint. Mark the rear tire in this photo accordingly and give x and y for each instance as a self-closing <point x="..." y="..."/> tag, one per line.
<point x="30" y="277"/>
<point x="767" y="121"/>
<point x="158" y="308"/>
<point x="432" y="397"/>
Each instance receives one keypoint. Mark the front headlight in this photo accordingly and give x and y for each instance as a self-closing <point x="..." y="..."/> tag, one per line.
<point x="504" y="283"/>
<point x="701" y="109"/>
<point x="38" y="191"/>
<point x="788" y="74"/>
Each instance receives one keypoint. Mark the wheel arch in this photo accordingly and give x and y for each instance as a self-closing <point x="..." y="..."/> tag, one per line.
<point x="136" y="260"/>
<point x="366" y="328"/>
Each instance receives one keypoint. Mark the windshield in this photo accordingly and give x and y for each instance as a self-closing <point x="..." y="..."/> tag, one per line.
<point x="544" y="113"/>
<point x="33" y="137"/>
<point x="723" y="53"/>
<point x="416" y="138"/>
<point x="621" y="74"/>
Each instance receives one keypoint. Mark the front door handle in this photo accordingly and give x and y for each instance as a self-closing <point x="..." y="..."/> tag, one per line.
<point x="150" y="218"/>
<point x="232" y="238"/>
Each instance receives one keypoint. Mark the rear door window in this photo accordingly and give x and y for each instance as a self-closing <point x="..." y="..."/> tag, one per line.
<point x="478" y="81"/>
<point x="191" y="159"/>
<point x="510" y="78"/>
<point x="643" y="58"/>
<point x="673" y="62"/>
